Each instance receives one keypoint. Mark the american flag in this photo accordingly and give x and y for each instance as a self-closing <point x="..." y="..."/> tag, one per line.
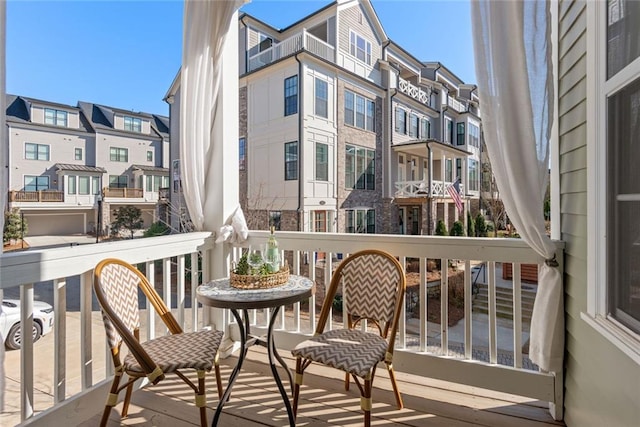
<point x="454" y="192"/>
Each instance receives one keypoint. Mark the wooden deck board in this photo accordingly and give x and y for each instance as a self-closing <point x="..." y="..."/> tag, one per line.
<point x="255" y="401"/>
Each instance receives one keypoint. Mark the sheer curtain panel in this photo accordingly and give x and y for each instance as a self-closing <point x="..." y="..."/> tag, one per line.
<point x="512" y="42"/>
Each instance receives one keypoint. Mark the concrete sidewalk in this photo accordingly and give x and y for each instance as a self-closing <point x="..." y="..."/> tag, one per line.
<point x="44" y="242"/>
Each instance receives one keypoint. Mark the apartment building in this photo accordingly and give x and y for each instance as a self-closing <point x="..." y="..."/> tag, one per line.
<point x="343" y="130"/>
<point x="69" y="163"/>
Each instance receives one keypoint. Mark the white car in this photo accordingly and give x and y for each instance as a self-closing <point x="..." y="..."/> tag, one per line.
<point x="10" y="321"/>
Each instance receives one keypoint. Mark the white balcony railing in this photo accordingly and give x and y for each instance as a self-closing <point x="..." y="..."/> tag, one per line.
<point x="420" y="188"/>
<point x="296" y="43"/>
<point x="456" y="105"/>
<point x="416" y="354"/>
<point x="414" y="91"/>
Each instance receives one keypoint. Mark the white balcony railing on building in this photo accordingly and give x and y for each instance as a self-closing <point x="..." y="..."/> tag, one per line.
<point x="296" y="43"/>
<point x="456" y="105"/>
<point x="420" y="188"/>
<point x="417" y="353"/>
<point x="414" y="91"/>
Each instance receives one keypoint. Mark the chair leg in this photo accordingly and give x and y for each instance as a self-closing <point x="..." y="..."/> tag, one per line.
<point x="112" y="399"/>
<point x="296" y="385"/>
<point x="127" y="400"/>
<point x="365" y="401"/>
<point x="346" y="381"/>
<point x="218" y="376"/>
<point x="396" y="391"/>
<point x="201" y="398"/>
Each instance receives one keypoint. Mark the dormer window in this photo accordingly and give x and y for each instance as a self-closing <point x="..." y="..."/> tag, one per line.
<point x="55" y="117"/>
<point x="132" y="124"/>
<point x="360" y="48"/>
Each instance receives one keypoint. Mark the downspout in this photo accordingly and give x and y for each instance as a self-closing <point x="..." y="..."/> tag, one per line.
<point x="429" y="194"/>
<point x="300" y="209"/>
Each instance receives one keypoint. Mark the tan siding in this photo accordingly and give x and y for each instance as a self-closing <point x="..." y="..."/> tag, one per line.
<point x="349" y="20"/>
<point x="573" y="139"/>
<point x="602" y="385"/>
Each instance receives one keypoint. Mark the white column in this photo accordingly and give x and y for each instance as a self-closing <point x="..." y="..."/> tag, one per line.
<point x="4" y="149"/>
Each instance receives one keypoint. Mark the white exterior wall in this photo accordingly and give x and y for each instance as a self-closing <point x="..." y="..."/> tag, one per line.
<point x="355" y="19"/>
<point x="137" y="154"/>
<point x="61" y="150"/>
<point x="267" y="132"/>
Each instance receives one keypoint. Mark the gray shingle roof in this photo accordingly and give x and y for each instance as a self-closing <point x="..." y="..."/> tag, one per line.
<point x="150" y="168"/>
<point x="79" y="168"/>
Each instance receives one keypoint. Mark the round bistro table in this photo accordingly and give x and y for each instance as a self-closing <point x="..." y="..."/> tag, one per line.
<point x="219" y="293"/>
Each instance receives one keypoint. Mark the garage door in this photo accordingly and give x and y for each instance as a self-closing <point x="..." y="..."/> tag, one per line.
<point x="55" y="225"/>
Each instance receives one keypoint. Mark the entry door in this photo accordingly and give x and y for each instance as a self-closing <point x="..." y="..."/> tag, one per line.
<point x="413" y="220"/>
<point x="402" y="220"/>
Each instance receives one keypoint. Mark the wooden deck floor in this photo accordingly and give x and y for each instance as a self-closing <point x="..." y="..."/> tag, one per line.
<point x="255" y="401"/>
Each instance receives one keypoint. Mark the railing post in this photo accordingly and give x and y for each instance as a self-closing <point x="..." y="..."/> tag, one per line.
<point x="60" y="339"/>
<point x="26" y="351"/>
<point x="86" y="354"/>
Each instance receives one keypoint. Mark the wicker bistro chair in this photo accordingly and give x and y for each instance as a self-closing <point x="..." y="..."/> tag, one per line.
<point x="116" y="286"/>
<point x="373" y="289"/>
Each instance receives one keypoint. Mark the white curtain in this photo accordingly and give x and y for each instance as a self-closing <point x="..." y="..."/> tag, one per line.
<point x="512" y="43"/>
<point x="206" y="24"/>
<point x="4" y="173"/>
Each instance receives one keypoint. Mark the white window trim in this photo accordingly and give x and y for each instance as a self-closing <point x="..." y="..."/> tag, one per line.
<point x="596" y="316"/>
<point x="367" y="42"/>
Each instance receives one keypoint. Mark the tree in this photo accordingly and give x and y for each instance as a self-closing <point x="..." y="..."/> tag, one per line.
<point x="441" y="228"/>
<point x="158" y="228"/>
<point x="457" y="229"/>
<point x="471" y="229"/>
<point x="128" y="218"/>
<point x="13" y="226"/>
<point x="481" y="226"/>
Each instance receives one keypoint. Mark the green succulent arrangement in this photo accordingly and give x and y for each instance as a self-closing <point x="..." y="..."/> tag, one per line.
<point x="244" y="268"/>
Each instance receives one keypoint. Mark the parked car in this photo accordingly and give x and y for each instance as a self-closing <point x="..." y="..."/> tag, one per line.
<point x="10" y="321"/>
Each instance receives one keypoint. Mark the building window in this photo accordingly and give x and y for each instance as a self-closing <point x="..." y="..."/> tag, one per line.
<point x="156" y="182"/>
<point x="118" y="154"/>
<point x="448" y="130"/>
<point x="118" y="181"/>
<point x="448" y="170"/>
<point x="461" y="133"/>
<point x="425" y="129"/>
<point x="322" y="98"/>
<point x="36" y="151"/>
<point x="458" y="169"/>
<point x="95" y="184"/>
<point x="275" y="219"/>
<point x="413" y="128"/>
<point x="36" y="183"/>
<point x="291" y="95"/>
<point x="149" y="156"/>
<point x="71" y="185"/>
<point x="84" y="185"/>
<point x="613" y="302"/>
<point x="291" y="161"/>
<point x="360" y="170"/>
<point x="359" y="111"/>
<point x="360" y="221"/>
<point x="78" y="154"/>
<point x="242" y="153"/>
<point x="401" y="121"/>
<point x="474" y="176"/>
<point x="55" y="117"/>
<point x="360" y="48"/>
<point x="132" y="124"/>
<point x="474" y="135"/>
<point x="320" y="221"/>
<point x="322" y="162"/>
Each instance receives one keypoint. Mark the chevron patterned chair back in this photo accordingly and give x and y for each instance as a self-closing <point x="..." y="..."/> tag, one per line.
<point x="116" y="285"/>
<point x="373" y="285"/>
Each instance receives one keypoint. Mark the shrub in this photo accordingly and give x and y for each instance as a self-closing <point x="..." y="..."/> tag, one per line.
<point x="481" y="226"/>
<point x="127" y="217"/>
<point x="157" y="229"/>
<point x="471" y="229"/>
<point x="13" y="226"/>
<point x="457" y="229"/>
<point x="441" y="228"/>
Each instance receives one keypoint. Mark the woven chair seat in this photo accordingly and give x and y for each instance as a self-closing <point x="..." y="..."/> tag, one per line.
<point x="350" y="350"/>
<point x="195" y="350"/>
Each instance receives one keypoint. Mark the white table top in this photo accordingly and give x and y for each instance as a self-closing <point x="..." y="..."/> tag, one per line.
<point x="219" y="293"/>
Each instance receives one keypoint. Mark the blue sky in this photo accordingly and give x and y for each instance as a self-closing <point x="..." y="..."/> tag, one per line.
<point x="125" y="54"/>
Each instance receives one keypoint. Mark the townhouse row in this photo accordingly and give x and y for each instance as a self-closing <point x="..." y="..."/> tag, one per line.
<point x="341" y="129"/>
<point x="71" y="167"/>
